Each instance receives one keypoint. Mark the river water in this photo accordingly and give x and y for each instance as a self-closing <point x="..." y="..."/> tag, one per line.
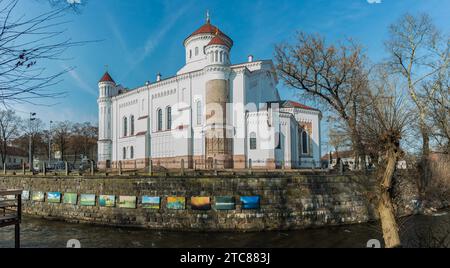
<point x="416" y="231"/>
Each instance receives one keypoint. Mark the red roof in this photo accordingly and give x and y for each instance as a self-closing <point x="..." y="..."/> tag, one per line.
<point x="14" y="151"/>
<point x="107" y="78"/>
<point x="208" y="28"/>
<point x="217" y="41"/>
<point x="301" y="106"/>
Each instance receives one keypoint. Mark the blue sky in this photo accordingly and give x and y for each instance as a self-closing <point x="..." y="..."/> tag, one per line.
<point x="140" y="38"/>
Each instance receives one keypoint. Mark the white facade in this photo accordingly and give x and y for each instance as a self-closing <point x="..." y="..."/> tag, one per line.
<point x="174" y="118"/>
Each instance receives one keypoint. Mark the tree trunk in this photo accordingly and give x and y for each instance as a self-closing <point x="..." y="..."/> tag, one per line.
<point x="385" y="208"/>
<point x="358" y="148"/>
<point x="424" y="164"/>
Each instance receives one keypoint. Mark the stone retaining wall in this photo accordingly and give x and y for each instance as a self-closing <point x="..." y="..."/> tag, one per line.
<point x="289" y="202"/>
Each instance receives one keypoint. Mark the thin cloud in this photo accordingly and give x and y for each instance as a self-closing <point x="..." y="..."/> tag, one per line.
<point x="81" y="83"/>
<point x="155" y="39"/>
<point x="119" y="37"/>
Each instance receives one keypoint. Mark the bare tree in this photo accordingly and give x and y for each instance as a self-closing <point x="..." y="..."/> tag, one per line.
<point x="383" y="123"/>
<point x="72" y="5"/>
<point x="10" y="128"/>
<point x="26" y="44"/>
<point x="437" y="92"/>
<point x="61" y="137"/>
<point x="334" y="75"/>
<point x="418" y="52"/>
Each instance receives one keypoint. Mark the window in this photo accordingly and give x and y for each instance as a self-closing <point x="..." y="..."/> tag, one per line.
<point x="216" y="56"/>
<point x="125" y="126"/>
<point x="199" y="112"/>
<point x="304" y="142"/>
<point x="131" y="152"/>
<point x="169" y="117"/>
<point x="190" y="53"/>
<point x="221" y="56"/>
<point x="124" y="153"/>
<point x="253" y="141"/>
<point x="132" y="125"/>
<point x="196" y="51"/>
<point x="159" y="119"/>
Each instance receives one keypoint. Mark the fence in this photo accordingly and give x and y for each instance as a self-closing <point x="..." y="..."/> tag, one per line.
<point x="11" y="211"/>
<point x="182" y="167"/>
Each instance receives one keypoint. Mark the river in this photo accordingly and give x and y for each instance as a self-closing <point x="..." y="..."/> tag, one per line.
<point x="416" y="231"/>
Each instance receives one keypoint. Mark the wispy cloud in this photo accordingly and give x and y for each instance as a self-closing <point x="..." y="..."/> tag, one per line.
<point x="81" y="83"/>
<point x="154" y="39"/>
<point x="117" y="33"/>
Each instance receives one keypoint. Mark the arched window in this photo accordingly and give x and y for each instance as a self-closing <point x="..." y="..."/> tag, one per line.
<point x="221" y="56"/>
<point x="160" y="122"/>
<point x="199" y="112"/>
<point x="216" y="56"/>
<point x="253" y="141"/>
<point x="131" y="152"/>
<point x="169" y="117"/>
<point x="132" y="125"/>
<point x="304" y="142"/>
<point x="196" y="51"/>
<point x="124" y="153"/>
<point x="125" y="126"/>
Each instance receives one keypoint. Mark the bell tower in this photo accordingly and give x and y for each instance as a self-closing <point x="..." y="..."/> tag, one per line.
<point x="107" y="89"/>
<point x="218" y="137"/>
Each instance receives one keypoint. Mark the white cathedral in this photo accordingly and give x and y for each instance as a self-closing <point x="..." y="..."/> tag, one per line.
<point x="212" y="113"/>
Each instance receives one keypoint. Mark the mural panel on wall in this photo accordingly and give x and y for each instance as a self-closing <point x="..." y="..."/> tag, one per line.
<point x="174" y="202"/>
<point x="151" y="202"/>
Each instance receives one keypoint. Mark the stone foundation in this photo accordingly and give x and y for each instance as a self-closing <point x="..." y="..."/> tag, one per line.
<point x="288" y="202"/>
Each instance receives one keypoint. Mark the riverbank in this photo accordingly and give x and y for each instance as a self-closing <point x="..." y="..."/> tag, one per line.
<point x="201" y="204"/>
<point x="416" y="231"/>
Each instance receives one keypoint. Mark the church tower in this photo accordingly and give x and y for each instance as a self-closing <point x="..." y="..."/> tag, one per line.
<point x="107" y="89"/>
<point x="218" y="138"/>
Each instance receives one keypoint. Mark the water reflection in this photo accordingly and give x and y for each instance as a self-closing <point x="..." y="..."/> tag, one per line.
<point x="417" y="231"/>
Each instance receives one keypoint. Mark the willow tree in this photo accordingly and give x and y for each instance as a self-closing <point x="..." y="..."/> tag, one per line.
<point x="383" y="123"/>
<point x="334" y="75"/>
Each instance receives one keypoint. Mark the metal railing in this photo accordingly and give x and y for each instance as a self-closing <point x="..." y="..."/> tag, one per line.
<point x="186" y="167"/>
<point x="11" y="211"/>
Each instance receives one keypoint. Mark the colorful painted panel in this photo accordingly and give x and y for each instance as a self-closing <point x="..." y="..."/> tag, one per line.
<point x="87" y="200"/>
<point x="250" y="202"/>
<point x="107" y="200"/>
<point x="25" y="195"/>
<point x="151" y="202"/>
<point x="174" y="202"/>
<point x="127" y="201"/>
<point x="70" y="198"/>
<point x="225" y="203"/>
<point x="54" y="197"/>
<point x="38" y="196"/>
<point x="200" y="203"/>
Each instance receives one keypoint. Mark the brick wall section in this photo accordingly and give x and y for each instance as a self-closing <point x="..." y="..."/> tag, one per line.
<point x="286" y="203"/>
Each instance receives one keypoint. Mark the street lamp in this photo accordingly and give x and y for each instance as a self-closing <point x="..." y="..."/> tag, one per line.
<point x="30" y="157"/>
<point x="50" y="142"/>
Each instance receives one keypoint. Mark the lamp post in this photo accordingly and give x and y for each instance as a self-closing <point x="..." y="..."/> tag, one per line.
<point x="50" y="142"/>
<point x="30" y="157"/>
